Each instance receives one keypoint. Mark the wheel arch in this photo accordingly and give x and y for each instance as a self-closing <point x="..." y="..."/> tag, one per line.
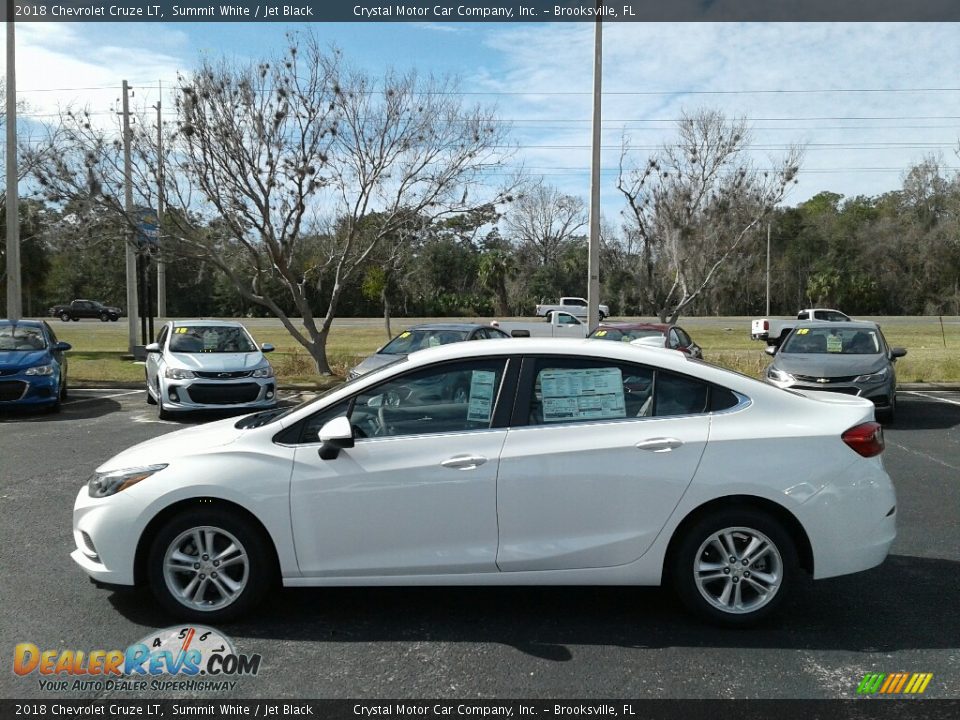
<point x="196" y="503"/>
<point x="787" y="519"/>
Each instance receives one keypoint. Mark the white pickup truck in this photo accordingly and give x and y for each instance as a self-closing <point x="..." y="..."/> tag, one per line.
<point x="774" y="332"/>
<point x="576" y="306"/>
<point x="556" y="324"/>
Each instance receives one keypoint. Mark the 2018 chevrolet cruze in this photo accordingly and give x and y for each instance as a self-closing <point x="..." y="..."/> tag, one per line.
<point x="208" y="365"/>
<point x="568" y="462"/>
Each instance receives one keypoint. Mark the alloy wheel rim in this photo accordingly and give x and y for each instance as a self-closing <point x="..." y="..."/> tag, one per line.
<point x="206" y="568"/>
<point x="738" y="570"/>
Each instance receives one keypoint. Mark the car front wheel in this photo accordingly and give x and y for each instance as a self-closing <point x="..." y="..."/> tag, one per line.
<point x="209" y="565"/>
<point x="735" y="567"/>
<point x="65" y="317"/>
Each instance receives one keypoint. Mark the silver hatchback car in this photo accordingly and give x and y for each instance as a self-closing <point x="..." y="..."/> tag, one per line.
<point x="845" y="357"/>
<point x="208" y="365"/>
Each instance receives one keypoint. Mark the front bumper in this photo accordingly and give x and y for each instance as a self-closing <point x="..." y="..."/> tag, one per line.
<point x="209" y="394"/>
<point x="103" y="534"/>
<point x="24" y="390"/>
<point x="880" y="394"/>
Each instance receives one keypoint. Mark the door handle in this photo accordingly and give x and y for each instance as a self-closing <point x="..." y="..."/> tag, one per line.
<point x="659" y="445"/>
<point x="464" y="462"/>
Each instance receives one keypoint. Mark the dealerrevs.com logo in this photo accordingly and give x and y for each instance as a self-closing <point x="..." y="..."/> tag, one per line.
<point x="177" y="659"/>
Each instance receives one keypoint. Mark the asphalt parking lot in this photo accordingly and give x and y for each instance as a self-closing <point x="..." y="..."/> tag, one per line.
<point x="499" y="643"/>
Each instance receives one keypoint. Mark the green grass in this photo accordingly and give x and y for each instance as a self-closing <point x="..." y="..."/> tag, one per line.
<point x="933" y="356"/>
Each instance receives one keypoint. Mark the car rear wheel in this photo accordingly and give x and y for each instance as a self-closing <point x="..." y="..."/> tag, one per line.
<point x="104" y="317"/>
<point x="209" y="565"/>
<point x="734" y="567"/>
<point x="65" y="317"/>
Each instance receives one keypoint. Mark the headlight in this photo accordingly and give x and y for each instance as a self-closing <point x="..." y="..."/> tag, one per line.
<point x="263" y="372"/>
<point x="872" y="377"/>
<point x="178" y="374"/>
<point x="40" y="370"/>
<point x="110" y="483"/>
<point x="778" y="375"/>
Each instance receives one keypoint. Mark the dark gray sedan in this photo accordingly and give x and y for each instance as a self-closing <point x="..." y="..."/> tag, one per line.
<point x="423" y="336"/>
<point x="844" y="357"/>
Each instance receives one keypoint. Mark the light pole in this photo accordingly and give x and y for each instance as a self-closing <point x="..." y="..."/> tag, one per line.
<point x="14" y="296"/>
<point x="593" y="258"/>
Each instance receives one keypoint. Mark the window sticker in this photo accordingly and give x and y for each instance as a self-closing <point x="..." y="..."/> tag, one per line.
<point x="834" y="343"/>
<point x="181" y="330"/>
<point x="211" y="340"/>
<point x="405" y="334"/>
<point x="587" y="394"/>
<point x="600" y="333"/>
<point x="481" y="395"/>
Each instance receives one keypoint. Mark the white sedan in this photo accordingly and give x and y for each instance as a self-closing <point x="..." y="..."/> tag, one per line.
<point x="569" y="463"/>
<point x="208" y="365"/>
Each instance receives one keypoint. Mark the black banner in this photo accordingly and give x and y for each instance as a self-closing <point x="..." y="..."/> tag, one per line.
<point x="859" y="709"/>
<point x="480" y="11"/>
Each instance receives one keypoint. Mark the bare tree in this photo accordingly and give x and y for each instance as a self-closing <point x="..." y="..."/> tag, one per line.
<point x="695" y="203"/>
<point x="543" y="219"/>
<point x="305" y="167"/>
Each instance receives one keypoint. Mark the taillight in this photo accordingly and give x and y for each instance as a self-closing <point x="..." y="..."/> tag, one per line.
<point x="766" y="324"/>
<point x="865" y="439"/>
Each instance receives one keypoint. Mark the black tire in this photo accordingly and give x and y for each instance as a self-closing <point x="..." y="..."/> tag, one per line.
<point x="150" y="399"/>
<point x="695" y="549"/>
<point x="63" y="390"/>
<point x="601" y="316"/>
<point x="76" y="319"/>
<point x="888" y="415"/>
<point x="104" y="317"/>
<point x="65" y="316"/>
<point x="114" y="318"/>
<point x="161" y="413"/>
<point x="224" y="526"/>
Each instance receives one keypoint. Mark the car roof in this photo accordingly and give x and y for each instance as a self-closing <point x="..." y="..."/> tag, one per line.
<point x="837" y="325"/>
<point x="27" y="323"/>
<point x="206" y="323"/>
<point x="450" y="326"/>
<point x="662" y="327"/>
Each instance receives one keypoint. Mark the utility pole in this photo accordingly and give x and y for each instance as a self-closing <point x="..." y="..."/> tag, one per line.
<point x="14" y="295"/>
<point x="593" y="261"/>
<point x="131" y="255"/>
<point x="161" y="262"/>
<point x="768" y="270"/>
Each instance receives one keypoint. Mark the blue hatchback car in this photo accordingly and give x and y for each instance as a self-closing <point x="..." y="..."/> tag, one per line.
<point x="33" y="368"/>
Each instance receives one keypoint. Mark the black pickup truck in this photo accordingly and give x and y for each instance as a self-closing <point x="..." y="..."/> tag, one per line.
<point x="85" y="309"/>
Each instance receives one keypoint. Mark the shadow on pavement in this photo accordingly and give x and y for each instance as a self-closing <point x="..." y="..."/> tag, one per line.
<point x="882" y="610"/>
<point x="916" y="412"/>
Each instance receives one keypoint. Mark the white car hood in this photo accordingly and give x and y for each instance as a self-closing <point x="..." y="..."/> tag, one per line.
<point x="173" y="445"/>
<point x="216" y="362"/>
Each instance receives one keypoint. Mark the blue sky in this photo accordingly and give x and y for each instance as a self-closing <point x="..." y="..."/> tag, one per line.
<point x="868" y="100"/>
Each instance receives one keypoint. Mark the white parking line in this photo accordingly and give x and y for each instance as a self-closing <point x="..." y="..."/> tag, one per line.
<point x="924" y="394"/>
<point x="103" y="397"/>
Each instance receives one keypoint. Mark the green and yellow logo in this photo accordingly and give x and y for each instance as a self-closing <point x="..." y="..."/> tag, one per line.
<point x="894" y="683"/>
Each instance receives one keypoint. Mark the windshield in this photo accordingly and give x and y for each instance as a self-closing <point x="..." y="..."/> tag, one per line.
<point x="211" y="339"/>
<point x="20" y="337"/>
<point x="624" y="335"/>
<point x="419" y="339"/>
<point x="833" y="341"/>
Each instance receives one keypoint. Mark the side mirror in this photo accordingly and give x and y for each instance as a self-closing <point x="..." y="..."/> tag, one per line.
<point x="267" y="347"/>
<point x="153" y="347"/>
<point x="62" y="347"/>
<point x="897" y="352"/>
<point x="770" y="349"/>
<point x="336" y="435"/>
